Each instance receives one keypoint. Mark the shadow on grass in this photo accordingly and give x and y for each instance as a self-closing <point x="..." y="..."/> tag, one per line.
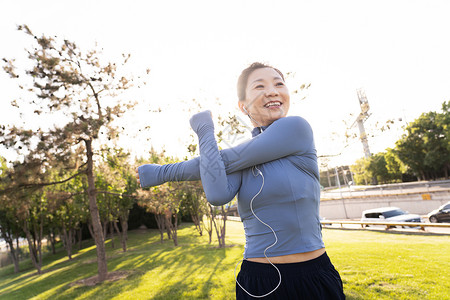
<point x="176" y="285"/>
<point x="178" y="268"/>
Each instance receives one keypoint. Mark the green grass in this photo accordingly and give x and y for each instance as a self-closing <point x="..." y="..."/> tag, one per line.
<point x="373" y="265"/>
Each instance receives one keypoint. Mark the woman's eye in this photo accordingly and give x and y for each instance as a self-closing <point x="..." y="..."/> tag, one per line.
<point x="279" y="83"/>
<point x="259" y="86"/>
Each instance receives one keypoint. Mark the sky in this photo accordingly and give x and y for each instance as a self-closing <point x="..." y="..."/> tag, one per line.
<point x="396" y="51"/>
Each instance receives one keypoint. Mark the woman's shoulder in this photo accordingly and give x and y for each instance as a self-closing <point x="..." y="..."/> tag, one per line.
<point x="293" y="121"/>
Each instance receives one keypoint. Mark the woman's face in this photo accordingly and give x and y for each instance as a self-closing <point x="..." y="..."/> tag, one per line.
<point x="266" y="97"/>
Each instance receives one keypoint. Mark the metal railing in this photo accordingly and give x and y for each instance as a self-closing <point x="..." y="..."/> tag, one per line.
<point x="388" y="225"/>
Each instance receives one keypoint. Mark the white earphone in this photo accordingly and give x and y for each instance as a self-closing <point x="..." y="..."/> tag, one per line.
<point x="265" y="250"/>
<point x="251" y="118"/>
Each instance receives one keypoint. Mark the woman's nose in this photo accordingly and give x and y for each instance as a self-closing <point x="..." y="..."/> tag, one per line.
<point x="271" y="91"/>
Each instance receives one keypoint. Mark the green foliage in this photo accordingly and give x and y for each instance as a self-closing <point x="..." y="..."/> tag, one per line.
<point x="360" y="171"/>
<point x="394" y="165"/>
<point x="425" y="147"/>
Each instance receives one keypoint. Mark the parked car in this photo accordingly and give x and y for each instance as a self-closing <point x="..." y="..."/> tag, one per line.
<point x="442" y="214"/>
<point x="389" y="214"/>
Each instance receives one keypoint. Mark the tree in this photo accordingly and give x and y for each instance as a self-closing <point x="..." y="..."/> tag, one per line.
<point x="360" y="171"/>
<point x="443" y="121"/>
<point x="9" y="227"/>
<point x="424" y="147"/>
<point x="394" y="165"/>
<point x="81" y="87"/>
<point x="164" y="203"/>
<point x="194" y="202"/>
<point x="126" y="200"/>
<point x="377" y="168"/>
<point x="9" y="231"/>
<point x="115" y="177"/>
<point x="26" y="207"/>
<point x="70" y="207"/>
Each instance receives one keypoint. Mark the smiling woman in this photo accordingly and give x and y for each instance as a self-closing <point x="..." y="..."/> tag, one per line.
<point x="275" y="176"/>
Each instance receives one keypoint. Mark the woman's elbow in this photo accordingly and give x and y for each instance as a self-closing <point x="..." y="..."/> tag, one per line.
<point x="218" y="200"/>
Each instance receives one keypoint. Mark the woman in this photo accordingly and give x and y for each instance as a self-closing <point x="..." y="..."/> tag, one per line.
<point x="276" y="178"/>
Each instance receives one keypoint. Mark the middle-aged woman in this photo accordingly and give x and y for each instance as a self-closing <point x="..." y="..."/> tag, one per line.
<point x="276" y="178"/>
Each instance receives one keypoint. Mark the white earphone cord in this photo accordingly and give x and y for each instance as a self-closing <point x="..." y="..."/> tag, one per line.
<point x="276" y="240"/>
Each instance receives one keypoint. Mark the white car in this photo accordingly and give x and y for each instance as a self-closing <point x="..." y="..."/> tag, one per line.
<point x="389" y="214"/>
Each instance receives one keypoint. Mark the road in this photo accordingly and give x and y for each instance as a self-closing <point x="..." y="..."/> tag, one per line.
<point x="386" y="189"/>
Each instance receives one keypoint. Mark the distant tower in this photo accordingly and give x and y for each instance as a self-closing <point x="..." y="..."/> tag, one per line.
<point x="362" y="117"/>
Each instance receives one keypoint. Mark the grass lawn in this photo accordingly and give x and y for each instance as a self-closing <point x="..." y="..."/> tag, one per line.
<point x="373" y="265"/>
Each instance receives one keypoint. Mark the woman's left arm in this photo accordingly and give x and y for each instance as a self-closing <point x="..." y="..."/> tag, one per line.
<point x="219" y="187"/>
<point x="284" y="137"/>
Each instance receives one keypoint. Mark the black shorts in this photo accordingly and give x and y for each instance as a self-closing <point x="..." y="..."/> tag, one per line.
<point x="311" y="280"/>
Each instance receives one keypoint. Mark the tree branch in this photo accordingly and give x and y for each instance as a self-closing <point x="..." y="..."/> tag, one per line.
<point x="40" y="185"/>
<point x="115" y="194"/>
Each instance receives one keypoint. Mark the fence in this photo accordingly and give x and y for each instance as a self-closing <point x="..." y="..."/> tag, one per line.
<point x="388" y="225"/>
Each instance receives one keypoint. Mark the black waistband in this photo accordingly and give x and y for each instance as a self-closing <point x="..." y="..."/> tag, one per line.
<point x="300" y="268"/>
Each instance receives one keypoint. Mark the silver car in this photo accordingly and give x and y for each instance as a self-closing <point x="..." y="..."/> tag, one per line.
<point x="389" y="214"/>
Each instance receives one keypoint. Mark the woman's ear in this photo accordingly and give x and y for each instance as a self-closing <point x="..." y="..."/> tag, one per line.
<point x="242" y="107"/>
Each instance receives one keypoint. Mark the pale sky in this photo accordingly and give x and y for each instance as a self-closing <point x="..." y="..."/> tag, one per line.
<point x="397" y="51"/>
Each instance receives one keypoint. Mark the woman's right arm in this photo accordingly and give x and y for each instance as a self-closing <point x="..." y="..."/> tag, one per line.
<point x="153" y="175"/>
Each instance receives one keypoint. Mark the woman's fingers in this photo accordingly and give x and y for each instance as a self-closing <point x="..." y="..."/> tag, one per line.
<point x="137" y="176"/>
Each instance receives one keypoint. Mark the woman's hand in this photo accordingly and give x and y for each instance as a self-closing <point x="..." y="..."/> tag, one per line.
<point x="137" y="176"/>
<point x="201" y="120"/>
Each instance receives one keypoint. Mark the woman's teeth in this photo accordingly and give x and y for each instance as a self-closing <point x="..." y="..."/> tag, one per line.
<point x="270" y="104"/>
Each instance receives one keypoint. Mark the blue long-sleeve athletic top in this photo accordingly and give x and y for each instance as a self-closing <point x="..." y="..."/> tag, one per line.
<point x="289" y="201"/>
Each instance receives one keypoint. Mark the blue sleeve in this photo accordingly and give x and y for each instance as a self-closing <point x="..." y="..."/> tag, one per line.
<point x="219" y="187"/>
<point x="286" y="136"/>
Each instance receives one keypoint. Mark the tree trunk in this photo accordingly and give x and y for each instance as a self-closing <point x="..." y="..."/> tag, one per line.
<point x="211" y="221"/>
<point x="39" y="239"/>
<point x="105" y="228"/>
<point x="174" y="229"/>
<point x="31" y="247"/>
<point x="217" y="233"/>
<point x="160" y="223"/>
<point x="196" y="218"/>
<point x="168" y="224"/>
<point x="223" y="231"/>
<point x="80" y="238"/>
<point x="67" y="234"/>
<point x="196" y="214"/>
<point x="7" y="236"/>
<point x="122" y="234"/>
<point x="111" y="233"/>
<point x="91" y="230"/>
<point x="95" y="217"/>
<point x="51" y="237"/>
<point x="14" y="257"/>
